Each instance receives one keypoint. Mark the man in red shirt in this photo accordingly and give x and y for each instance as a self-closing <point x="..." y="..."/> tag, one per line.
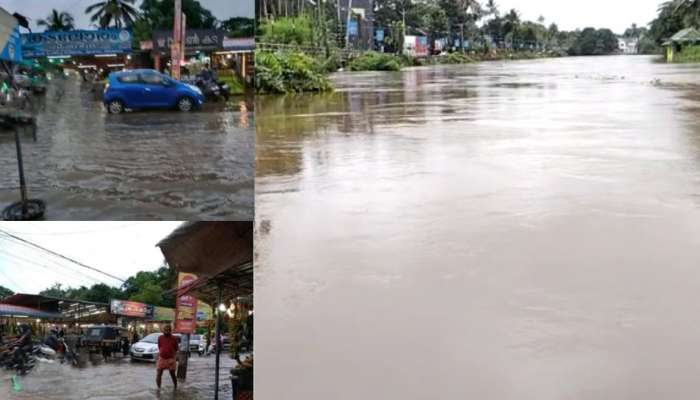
<point x="167" y="351"/>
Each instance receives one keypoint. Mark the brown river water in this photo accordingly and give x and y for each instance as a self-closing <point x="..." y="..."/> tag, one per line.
<point x="502" y="230"/>
<point x="166" y="165"/>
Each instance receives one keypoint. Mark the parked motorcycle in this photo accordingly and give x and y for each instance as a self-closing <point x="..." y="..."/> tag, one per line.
<point x="213" y="89"/>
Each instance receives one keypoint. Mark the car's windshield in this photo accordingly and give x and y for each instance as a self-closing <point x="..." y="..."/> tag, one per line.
<point x="152" y="338"/>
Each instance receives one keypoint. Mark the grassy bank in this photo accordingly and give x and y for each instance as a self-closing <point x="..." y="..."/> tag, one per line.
<point x="690" y="54"/>
<point x="294" y="71"/>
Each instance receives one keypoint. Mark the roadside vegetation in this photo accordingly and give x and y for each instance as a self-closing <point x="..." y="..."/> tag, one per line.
<point x="317" y="31"/>
<point x="289" y="72"/>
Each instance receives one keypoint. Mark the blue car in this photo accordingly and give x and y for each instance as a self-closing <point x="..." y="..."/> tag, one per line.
<point x="148" y="88"/>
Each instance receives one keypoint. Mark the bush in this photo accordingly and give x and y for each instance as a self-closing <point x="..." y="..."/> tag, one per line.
<point x="373" y="61"/>
<point x="287" y="72"/>
<point x="688" y="54"/>
<point x="293" y="31"/>
<point x="454" y="58"/>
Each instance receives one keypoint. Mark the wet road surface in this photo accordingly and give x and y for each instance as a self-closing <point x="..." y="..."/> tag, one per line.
<point x="120" y="379"/>
<point x="520" y="230"/>
<point x="88" y="165"/>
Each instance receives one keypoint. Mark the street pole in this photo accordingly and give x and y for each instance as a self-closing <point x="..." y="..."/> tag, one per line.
<point x="218" y="344"/>
<point x="347" y="25"/>
<point x="176" y="45"/>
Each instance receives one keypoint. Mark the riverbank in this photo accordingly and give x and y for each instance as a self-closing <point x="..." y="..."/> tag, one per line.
<point x="294" y="71"/>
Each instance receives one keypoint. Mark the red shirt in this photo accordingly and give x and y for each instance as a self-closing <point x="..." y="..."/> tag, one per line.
<point x="167" y="346"/>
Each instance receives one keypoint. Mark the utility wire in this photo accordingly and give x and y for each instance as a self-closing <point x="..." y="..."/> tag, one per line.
<point x="62" y="256"/>
<point x="56" y="262"/>
<point x="82" y="276"/>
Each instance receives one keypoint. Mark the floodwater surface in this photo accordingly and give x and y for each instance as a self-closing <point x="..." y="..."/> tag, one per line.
<point x="502" y="230"/>
<point x="166" y="165"/>
<point x="119" y="380"/>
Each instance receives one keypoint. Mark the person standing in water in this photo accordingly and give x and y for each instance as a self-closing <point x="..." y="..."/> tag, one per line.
<point x="167" y="351"/>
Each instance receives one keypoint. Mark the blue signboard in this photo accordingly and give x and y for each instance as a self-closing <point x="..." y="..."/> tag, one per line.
<point x="352" y="28"/>
<point x="74" y="43"/>
<point x="12" y="50"/>
<point x="379" y="35"/>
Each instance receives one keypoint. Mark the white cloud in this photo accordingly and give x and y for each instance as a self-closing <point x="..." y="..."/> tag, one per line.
<point x="119" y="248"/>
<point x="569" y="15"/>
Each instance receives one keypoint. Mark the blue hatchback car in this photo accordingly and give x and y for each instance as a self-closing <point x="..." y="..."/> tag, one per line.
<point x="148" y="88"/>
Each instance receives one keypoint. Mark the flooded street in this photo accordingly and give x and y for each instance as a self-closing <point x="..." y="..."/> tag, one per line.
<point x="120" y="379"/>
<point x="518" y="230"/>
<point x="88" y="165"/>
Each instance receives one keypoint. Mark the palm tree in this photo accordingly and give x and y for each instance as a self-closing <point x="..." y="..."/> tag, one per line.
<point x="57" y="21"/>
<point x="121" y="12"/>
<point x="689" y="10"/>
<point x="492" y="8"/>
<point x="511" y="24"/>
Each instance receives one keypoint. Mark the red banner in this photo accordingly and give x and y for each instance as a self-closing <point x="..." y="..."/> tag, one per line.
<point x="185" y="306"/>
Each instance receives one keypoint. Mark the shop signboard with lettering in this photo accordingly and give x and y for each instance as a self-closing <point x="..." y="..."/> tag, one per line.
<point x="74" y="43"/>
<point x="195" y="39"/>
<point x="131" y="309"/>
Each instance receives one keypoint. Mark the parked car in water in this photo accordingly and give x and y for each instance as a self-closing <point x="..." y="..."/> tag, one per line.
<point x="148" y="88"/>
<point x="146" y="349"/>
<point x="195" y="340"/>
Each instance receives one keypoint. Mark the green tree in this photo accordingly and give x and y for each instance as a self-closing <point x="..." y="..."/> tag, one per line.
<point x="239" y="27"/>
<point x="511" y="24"/>
<point x="594" y="42"/>
<point x="437" y="25"/>
<point x="4" y="292"/>
<point x="120" y="12"/>
<point x="54" y="291"/>
<point x="160" y="14"/>
<point x="57" y="21"/>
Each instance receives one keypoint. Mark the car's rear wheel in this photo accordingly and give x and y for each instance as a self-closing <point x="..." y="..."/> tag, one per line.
<point x="115" y="107"/>
<point x="185" y="104"/>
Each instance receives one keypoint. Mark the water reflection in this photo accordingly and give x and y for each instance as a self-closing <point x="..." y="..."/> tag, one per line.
<point x="499" y="230"/>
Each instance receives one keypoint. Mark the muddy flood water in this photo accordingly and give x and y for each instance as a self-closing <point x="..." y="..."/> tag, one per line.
<point x="118" y="380"/>
<point x="88" y="165"/>
<point x="503" y="230"/>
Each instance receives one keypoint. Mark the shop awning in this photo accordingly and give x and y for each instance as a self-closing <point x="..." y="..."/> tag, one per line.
<point x="75" y="310"/>
<point x="219" y="253"/>
<point x="9" y="310"/>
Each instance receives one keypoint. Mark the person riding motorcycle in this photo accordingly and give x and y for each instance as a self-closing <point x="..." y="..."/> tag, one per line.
<point x="52" y="339"/>
<point x="23" y="344"/>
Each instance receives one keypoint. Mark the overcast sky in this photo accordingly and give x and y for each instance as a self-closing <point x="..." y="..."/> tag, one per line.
<point x="617" y="15"/>
<point x="119" y="248"/>
<point x="37" y="9"/>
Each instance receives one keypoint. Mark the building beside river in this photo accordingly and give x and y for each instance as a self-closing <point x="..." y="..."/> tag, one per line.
<point x="681" y="40"/>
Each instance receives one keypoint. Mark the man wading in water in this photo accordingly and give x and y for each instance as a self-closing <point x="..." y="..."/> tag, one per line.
<point x="167" y="350"/>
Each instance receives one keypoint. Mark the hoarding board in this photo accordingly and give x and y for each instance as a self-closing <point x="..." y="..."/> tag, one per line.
<point x="75" y="43"/>
<point x="164" y="314"/>
<point x="185" y="306"/>
<point x="10" y="41"/>
<point x="131" y="309"/>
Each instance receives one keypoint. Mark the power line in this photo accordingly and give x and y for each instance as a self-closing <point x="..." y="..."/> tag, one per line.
<point x="15" y="232"/>
<point x="34" y="262"/>
<point x="62" y="256"/>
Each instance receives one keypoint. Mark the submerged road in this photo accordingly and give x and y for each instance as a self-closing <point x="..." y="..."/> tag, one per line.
<point x="88" y="165"/>
<point x="502" y="230"/>
<point x="119" y="379"/>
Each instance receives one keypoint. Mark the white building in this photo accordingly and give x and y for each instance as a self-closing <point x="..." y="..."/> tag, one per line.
<point x="628" y="45"/>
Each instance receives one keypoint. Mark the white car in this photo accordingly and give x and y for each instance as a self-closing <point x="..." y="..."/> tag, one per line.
<point x="146" y="349"/>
